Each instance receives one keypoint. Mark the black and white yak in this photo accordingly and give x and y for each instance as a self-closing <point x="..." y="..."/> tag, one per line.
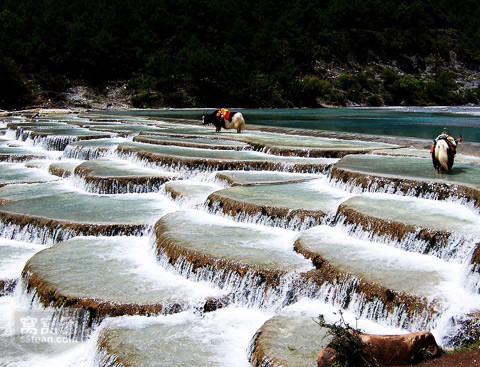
<point x="443" y="152"/>
<point x="227" y="120"/>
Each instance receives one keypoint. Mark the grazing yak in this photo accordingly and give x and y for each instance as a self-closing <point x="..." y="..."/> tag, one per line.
<point x="226" y="119"/>
<point x="443" y="151"/>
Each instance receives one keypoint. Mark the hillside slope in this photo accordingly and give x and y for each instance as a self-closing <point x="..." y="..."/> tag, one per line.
<point x="240" y="53"/>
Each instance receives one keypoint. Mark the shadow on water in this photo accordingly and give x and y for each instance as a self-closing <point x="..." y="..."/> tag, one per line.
<point x="457" y="171"/>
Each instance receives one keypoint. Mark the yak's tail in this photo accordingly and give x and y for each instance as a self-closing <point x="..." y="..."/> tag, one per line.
<point x="441" y="156"/>
<point x="238" y="123"/>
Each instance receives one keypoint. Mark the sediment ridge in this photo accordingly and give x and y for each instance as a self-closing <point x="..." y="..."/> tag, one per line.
<point x="371" y="182"/>
<point x="49" y="231"/>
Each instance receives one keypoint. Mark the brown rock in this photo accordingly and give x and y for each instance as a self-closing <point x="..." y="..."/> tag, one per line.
<point x="392" y="350"/>
<point x="401" y="350"/>
<point x="326" y="358"/>
<point x="420" y="188"/>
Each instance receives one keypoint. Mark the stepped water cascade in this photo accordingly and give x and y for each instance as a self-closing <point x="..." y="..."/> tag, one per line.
<point x="134" y="241"/>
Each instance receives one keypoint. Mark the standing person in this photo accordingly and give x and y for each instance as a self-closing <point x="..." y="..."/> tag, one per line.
<point x="446" y="135"/>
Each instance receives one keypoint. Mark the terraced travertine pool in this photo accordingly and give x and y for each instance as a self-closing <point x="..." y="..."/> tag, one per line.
<point x="132" y="241"/>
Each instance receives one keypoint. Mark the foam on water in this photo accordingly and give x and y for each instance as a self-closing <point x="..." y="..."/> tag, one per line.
<point x="138" y="252"/>
<point x="314" y="308"/>
<point x="223" y="336"/>
<point x="15" y="352"/>
<point x="14" y="255"/>
<point x="448" y="275"/>
<point x="465" y="218"/>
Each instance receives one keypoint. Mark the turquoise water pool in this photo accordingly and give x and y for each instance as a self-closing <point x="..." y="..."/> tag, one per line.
<point x="419" y="122"/>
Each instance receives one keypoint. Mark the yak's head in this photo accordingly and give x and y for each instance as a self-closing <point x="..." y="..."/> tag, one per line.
<point x="208" y="118"/>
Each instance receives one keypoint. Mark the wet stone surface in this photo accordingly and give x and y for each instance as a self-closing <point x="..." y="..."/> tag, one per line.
<point x="63" y="169"/>
<point x="108" y="276"/>
<point x="125" y="129"/>
<point x="190" y="190"/>
<point x="289" y="340"/>
<point x="14" y="192"/>
<point x="196" y="158"/>
<point x="11" y="173"/>
<point x="91" y="149"/>
<point x="235" y="178"/>
<point x="105" y="176"/>
<point x="411" y="167"/>
<point x="394" y="270"/>
<point x="194" y="142"/>
<point x="217" y="240"/>
<point x="60" y="216"/>
<point x="425" y="153"/>
<point x="302" y="201"/>
<point x="307" y="146"/>
<point x="12" y="152"/>
<point x="415" y="212"/>
<point x="213" y="339"/>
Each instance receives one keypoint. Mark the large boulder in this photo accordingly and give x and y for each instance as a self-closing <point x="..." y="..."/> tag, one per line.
<point x="392" y="350"/>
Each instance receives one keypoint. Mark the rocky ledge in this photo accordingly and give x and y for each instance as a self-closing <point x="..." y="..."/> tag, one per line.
<point x="215" y="250"/>
<point x="272" y="203"/>
<point x="108" y="177"/>
<point x="288" y="341"/>
<point x="408" y="176"/>
<point x="99" y="277"/>
<point x="405" y="224"/>
<point x="343" y="264"/>
<point x="207" y="159"/>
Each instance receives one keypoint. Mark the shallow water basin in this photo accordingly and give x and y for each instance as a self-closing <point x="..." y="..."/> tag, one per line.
<point x="120" y="270"/>
<point x="262" y="177"/>
<point x="224" y="239"/>
<point x="17" y="173"/>
<point x="77" y="207"/>
<point x="411" y="167"/>
<point x="413" y="274"/>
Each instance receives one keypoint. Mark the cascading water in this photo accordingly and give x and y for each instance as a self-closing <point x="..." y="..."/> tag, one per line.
<point x="240" y="255"/>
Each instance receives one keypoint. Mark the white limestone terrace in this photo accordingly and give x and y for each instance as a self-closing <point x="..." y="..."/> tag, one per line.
<point x="52" y="218"/>
<point x="291" y="140"/>
<point x="11" y="173"/>
<point x="195" y="158"/>
<point x="440" y="284"/>
<point x="193" y="141"/>
<point x="235" y="178"/>
<point x="190" y="193"/>
<point x="425" y="153"/>
<point x="292" y="205"/>
<point x="22" y="191"/>
<point x="445" y="229"/>
<point x="108" y="176"/>
<point x="410" y="167"/>
<point x="216" y="339"/>
<point x="222" y="238"/>
<point x="235" y="262"/>
<point x="110" y="276"/>
<point x="414" y="274"/>
<point x="92" y="149"/>
<point x="14" y="151"/>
